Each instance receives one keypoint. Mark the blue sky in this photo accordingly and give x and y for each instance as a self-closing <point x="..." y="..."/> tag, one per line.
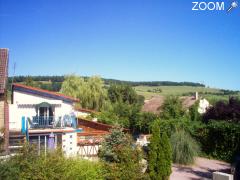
<point x="139" y="40"/>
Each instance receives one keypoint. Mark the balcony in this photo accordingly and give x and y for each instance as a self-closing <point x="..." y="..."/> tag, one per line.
<point x="45" y="122"/>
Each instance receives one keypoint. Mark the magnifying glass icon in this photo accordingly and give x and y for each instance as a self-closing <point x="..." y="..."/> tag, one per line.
<point x="234" y="4"/>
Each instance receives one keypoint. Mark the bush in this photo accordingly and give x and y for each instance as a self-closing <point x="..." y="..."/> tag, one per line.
<point x="160" y="155"/>
<point x="228" y="111"/>
<point x="144" y="121"/>
<point x="121" y="159"/>
<point x="28" y="165"/>
<point x="184" y="147"/>
<point x="172" y="108"/>
<point x="219" y="139"/>
<point x="172" y="125"/>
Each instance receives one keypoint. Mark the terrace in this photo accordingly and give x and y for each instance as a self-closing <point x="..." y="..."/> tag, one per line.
<point x="45" y="122"/>
<point x="51" y="122"/>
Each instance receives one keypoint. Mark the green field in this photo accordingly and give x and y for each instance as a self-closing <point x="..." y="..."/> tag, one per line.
<point x="148" y="91"/>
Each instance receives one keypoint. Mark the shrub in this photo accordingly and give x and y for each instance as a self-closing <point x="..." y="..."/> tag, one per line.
<point x="28" y="165"/>
<point x="219" y="139"/>
<point x="172" y="108"/>
<point x="159" y="155"/>
<point x="143" y="123"/>
<point x="229" y="111"/>
<point x="172" y="125"/>
<point x="184" y="147"/>
<point x="120" y="158"/>
<point x="194" y="115"/>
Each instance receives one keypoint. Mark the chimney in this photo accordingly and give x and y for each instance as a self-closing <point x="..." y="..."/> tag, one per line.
<point x="3" y="95"/>
<point x="196" y="96"/>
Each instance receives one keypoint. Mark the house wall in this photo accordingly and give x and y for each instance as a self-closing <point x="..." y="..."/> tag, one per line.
<point x="17" y="111"/>
<point x="87" y="150"/>
<point x="69" y="143"/>
<point x="82" y="114"/>
<point x="1" y="114"/>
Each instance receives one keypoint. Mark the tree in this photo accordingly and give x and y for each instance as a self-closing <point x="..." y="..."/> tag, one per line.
<point x="121" y="159"/>
<point x="29" y="82"/>
<point x="144" y="121"/>
<point x="73" y="86"/>
<point x="125" y="94"/>
<point x="97" y="93"/>
<point x="172" y="108"/>
<point x="90" y="92"/>
<point x="227" y="111"/>
<point x="125" y="106"/>
<point x="159" y="155"/>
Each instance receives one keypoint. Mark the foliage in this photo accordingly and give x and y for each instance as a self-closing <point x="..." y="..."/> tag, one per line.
<point x="155" y="90"/>
<point x="29" y="81"/>
<point x="194" y="115"/>
<point x="172" y="108"/>
<point x="28" y="165"/>
<point x="121" y="159"/>
<point x="159" y="155"/>
<point x="109" y="117"/>
<point x="73" y="86"/>
<point x="109" y="81"/>
<point x="110" y="143"/>
<point x="144" y="122"/>
<point x="184" y="147"/>
<point x="229" y="111"/>
<point x="1" y="140"/>
<point x="90" y="92"/>
<point x="120" y="113"/>
<point x="125" y="106"/>
<point x="123" y="93"/>
<point x="219" y="139"/>
<point x="172" y="125"/>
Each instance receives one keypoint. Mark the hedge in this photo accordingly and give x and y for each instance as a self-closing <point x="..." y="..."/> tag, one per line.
<point x="219" y="139"/>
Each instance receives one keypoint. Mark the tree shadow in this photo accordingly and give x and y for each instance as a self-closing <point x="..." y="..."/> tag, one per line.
<point x="206" y="173"/>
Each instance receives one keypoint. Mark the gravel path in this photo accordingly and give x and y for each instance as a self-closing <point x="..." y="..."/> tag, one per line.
<point x="202" y="169"/>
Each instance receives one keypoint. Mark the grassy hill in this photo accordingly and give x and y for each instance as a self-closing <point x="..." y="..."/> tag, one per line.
<point x="150" y="91"/>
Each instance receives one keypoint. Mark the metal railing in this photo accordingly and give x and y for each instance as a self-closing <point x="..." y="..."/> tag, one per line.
<point x="45" y="122"/>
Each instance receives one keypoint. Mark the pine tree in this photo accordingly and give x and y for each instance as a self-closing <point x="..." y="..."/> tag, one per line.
<point x="167" y="155"/>
<point x="159" y="155"/>
<point x="154" y="152"/>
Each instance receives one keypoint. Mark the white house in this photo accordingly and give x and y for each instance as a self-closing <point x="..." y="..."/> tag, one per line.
<point x="203" y="106"/>
<point x="44" y="117"/>
<point x="42" y="109"/>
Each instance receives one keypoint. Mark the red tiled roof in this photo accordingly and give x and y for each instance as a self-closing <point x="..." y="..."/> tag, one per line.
<point x="45" y="91"/>
<point x="95" y="125"/>
<point x="3" y="69"/>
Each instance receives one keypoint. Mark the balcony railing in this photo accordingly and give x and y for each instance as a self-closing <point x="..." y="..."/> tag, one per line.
<point x="45" y="122"/>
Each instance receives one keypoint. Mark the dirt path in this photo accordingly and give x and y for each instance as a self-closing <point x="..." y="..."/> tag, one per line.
<point x="202" y="169"/>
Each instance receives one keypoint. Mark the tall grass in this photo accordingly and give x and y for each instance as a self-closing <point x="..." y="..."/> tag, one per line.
<point x="184" y="148"/>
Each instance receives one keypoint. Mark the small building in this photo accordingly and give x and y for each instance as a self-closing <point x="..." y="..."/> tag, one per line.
<point x="3" y="94"/>
<point x="41" y="108"/>
<point x="143" y="139"/>
<point x="45" y="118"/>
<point x="203" y="106"/>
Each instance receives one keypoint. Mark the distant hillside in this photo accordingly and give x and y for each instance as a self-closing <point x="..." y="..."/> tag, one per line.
<point x="148" y="89"/>
<point x="60" y="79"/>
